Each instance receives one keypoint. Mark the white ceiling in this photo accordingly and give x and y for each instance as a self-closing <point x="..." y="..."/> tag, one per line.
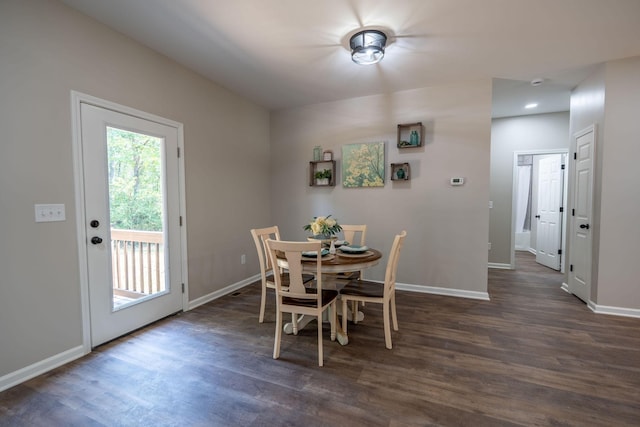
<point x="288" y="53"/>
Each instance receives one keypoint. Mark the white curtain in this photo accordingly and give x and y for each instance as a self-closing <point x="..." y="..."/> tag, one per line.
<point x="522" y="201"/>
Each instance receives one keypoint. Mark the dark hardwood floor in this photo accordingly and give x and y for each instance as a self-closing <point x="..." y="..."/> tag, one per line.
<point x="532" y="356"/>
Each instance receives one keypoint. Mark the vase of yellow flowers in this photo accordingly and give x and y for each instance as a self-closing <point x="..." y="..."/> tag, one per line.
<point x="323" y="227"/>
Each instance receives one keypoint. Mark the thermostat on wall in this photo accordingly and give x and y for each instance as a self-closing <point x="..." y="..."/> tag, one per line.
<point x="457" y="181"/>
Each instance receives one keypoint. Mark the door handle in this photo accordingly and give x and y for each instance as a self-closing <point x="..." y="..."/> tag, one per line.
<point x="96" y="240"/>
<point x="538" y="216"/>
<point x="584" y="226"/>
<point x="94" y="223"/>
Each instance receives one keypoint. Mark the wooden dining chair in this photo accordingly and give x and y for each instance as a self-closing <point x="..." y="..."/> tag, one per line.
<point x="298" y="298"/>
<point x="351" y="234"/>
<point x="260" y="237"/>
<point x="354" y="234"/>
<point x="375" y="292"/>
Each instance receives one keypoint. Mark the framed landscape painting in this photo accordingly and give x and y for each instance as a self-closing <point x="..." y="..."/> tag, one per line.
<point x="363" y="165"/>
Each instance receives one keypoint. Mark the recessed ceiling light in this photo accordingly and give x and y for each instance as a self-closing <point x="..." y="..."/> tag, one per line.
<point x="532" y="105"/>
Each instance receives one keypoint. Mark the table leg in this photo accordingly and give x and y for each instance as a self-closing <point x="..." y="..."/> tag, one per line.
<point x="341" y="337"/>
<point x="360" y="316"/>
<point x="302" y="322"/>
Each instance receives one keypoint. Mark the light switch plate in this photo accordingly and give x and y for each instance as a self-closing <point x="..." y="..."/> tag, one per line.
<point x="50" y="213"/>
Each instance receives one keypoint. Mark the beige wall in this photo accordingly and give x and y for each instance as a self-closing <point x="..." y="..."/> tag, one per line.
<point x="619" y="257"/>
<point x="47" y="50"/>
<point x="447" y="226"/>
<point x="610" y="98"/>
<point x="524" y="133"/>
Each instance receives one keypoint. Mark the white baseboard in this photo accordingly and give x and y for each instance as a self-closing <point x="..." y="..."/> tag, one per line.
<point x="222" y="292"/>
<point x="460" y="293"/>
<point x="500" y="266"/>
<point x="400" y="286"/>
<point x="615" y="311"/>
<point x="38" y="368"/>
<point x="606" y="309"/>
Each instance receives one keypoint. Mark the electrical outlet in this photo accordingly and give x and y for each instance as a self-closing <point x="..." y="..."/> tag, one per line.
<point x="50" y="213"/>
<point x="243" y="259"/>
<point x="489" y="245"/>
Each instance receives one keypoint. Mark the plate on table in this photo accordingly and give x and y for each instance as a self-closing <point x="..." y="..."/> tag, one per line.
<point x="354" y="249"/>
<point x="364" y="254"/>
<point x="314" y="254"/>
<point x="339" y="243"/>
<point x="326" y="257"/>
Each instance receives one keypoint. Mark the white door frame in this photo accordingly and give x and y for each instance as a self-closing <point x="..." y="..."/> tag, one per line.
<point x="76" y="99"/>
<point x="514" y="199"/>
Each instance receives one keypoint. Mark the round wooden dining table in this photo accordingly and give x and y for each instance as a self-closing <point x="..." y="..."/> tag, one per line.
<point x="343" y="262"/>
<point x="332" y="264"/>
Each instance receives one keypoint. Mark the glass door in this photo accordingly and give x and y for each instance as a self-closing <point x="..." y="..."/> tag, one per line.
<point x="131" y="196"/>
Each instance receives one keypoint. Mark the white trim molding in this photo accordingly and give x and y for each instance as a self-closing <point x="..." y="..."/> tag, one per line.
<point x="222" y="292"/>
<point x="38" y="368"/>
<point x="460" y="293"/>
<point x="615" y="311"/>
<point x="606" y="309"/>
<point x="500" y="266"/>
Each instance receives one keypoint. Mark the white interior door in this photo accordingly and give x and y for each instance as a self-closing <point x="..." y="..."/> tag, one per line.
<point x="549" y="217"/>
<point x="132" y="211"/>
<point x="581" y="229"/>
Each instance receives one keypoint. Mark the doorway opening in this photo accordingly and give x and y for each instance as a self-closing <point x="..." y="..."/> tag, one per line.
<point x="538" y="203"/>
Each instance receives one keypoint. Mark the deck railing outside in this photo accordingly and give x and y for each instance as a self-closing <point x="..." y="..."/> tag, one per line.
<point x="138" y="263"/>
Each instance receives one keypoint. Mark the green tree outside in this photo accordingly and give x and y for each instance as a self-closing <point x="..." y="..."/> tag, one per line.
<point x="135" y="180"/>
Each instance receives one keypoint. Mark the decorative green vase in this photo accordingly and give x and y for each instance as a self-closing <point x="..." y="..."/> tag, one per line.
<point x="414" y="138"/>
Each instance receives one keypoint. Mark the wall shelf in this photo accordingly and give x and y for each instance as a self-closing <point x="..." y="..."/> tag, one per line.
<point x="410" y="135"/>
<point x="319" y="166"/>
<point x="400" y="172"/>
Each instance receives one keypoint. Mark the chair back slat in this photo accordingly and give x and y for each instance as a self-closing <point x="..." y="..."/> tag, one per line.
<point x="350" y="232"/>
<point x="260" y="237"/>
<point x="292" y="252"/>
<point x="392" y="263"/>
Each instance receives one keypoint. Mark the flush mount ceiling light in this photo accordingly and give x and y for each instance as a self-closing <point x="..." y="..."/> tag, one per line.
<point x="367" y="46"/>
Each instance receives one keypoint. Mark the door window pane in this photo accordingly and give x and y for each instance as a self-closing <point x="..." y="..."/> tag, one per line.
<point x="136" y="208"/>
